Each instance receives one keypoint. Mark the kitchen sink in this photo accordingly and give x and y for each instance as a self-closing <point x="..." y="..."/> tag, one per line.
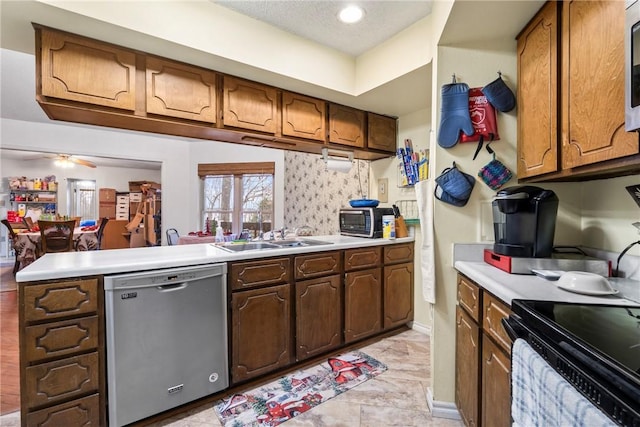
<point x="275" y="244"/>
<point x="249" y="246"/>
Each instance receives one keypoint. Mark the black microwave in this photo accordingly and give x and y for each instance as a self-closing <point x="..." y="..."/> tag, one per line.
<point x="632" y="65"/>
<point x="363" y="222"/>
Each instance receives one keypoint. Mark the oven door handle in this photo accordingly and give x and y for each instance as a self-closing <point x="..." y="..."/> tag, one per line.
<point x="514" y="328"/>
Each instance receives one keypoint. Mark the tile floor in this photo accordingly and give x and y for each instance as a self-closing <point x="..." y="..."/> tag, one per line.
<point x="397" y="397"/>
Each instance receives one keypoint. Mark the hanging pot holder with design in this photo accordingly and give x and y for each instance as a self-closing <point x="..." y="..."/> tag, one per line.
<point x="495" y="174"/>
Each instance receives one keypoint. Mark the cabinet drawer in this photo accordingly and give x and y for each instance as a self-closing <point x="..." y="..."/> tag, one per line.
<point x="317" y="265"/>
<point x="493" y="312"/>
<point x="362" y="258"/>
<point x="61" y="380"/>
<point x="245" y="275"/>
<point x="469" y="297"/>
<point x="80" y="412"/>
<point x="398" y="253"/>
<point x="60" y="338"/>
<point x="62" y="299"/>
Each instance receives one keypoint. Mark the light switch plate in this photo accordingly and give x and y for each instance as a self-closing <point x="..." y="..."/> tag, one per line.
<point x="383" y="190"/>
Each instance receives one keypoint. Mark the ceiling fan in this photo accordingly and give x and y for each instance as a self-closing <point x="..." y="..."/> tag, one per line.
<point x="67" y="160"/>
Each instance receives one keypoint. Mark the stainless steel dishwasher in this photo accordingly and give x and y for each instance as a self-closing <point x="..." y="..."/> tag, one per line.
<point x="166" y="339"/>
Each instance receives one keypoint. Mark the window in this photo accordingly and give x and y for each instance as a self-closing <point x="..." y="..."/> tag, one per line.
<point x="81" y="198"/>
<point x="238" y="196"/>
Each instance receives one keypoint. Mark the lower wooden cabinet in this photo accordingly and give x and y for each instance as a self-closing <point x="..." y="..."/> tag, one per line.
<point x="362" y="298"/>
<point x="318" y="316"/>
<point x="483" y="364"/>
<point x="496" y="385"/>
<point x="261" y="337"/>
<point x="398" y="295"/>
<point x="467" y="367"/>
<point x="62" y="355"/>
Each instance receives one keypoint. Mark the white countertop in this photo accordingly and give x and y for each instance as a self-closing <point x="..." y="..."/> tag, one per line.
<point x="508" y="287"/>
<point x="85" y="263"/>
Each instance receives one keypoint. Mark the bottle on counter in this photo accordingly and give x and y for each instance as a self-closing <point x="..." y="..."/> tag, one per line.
<point x="219" y="234"/>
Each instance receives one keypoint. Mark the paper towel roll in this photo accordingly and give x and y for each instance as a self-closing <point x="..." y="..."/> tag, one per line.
<point x="343" y="166"/>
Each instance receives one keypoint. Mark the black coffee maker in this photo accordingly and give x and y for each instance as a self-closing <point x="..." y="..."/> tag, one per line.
<point x="524" y="221"/>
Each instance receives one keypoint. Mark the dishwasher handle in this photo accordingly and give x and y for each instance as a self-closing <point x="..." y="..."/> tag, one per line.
<point x="173" y="287"/>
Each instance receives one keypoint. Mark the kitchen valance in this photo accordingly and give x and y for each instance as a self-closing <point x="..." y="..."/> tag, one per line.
<point x="205" y="169"/>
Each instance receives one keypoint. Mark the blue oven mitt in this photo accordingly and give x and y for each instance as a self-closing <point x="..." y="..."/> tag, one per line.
<point x="454" y="116"/>
<point x="499" y="95"/>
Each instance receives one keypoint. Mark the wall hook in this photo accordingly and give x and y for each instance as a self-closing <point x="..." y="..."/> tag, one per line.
<point x="453" y="78"/>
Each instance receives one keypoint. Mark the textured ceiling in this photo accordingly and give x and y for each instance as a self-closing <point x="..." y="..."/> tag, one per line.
<point x="317" y="20"/>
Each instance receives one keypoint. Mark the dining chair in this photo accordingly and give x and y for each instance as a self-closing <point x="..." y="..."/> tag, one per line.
<point x="28" y="222"/>
<point x="56" y="236"/>
<point x="172" y="236"/>
<point x="17" y="248"/>
<point x="100" y="232"/>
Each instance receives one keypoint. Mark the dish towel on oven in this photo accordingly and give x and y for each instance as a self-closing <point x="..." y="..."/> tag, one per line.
<point x="541" y="397"/>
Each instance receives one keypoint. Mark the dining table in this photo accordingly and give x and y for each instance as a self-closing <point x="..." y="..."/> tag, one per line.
<point x="83" y="240"/>
<point x="192" y="240"/>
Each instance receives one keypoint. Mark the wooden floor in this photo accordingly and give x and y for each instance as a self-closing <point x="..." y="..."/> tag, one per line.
<point x="9" y="362"/>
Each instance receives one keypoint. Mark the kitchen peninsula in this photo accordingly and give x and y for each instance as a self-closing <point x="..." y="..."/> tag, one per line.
<point x="309" y="301"/>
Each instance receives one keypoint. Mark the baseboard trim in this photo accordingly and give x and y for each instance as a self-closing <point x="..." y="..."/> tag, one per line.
<point x="442" y="409"/>
<point x="424" y="329"/>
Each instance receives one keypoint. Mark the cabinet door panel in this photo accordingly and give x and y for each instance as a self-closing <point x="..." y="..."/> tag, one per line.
<point x="324" y="263"/>
<point x="78" y="69"/>
<point x="467" y="367"/>
<point x="469" y="297"/>
<point x="318" y="316"/>
<point x="303" y="117"/>
<point x="381" y="133"/>
<point x="244" y="275"/>
<point x="260" y="331"/>
<point x="249" y="105"/>
<point x="362" y="258"/>
<point x="493" y="313"/>
<point x="60" y="338"/>
<point x="537" y="94"/>
<point x="363" y="294"/>
<point x="398" y="295"/>
<point x="398" y="253"/>
<point x="52" y="301"/>
<point x="182" y="91"/>
<point x="51" y="382"/>
<point x="80" y="412"/>
<point x="346" y="125"/>
<point x="496" y="385"/>
<point x="593" y="68"/>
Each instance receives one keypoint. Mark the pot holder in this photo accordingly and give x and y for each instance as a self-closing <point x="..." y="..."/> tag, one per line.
<point x="454" y="114"/>
<point x="499" y="95"/>
<point x="454" y="186"/>
<point x="495" y="174"/>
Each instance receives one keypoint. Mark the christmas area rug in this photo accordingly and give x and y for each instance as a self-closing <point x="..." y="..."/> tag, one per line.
<point x="276" y="402"/>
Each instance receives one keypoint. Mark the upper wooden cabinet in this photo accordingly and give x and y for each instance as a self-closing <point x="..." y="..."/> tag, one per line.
<point x="179" y="90"/>
<point x="249" y="105"/>
<point x="303" y="117"/>
<point x="585" y="65"/>
<point x="593" y="95"/>
<point x="346" y="125"/>
<point x="87" y="81"/>
<point x="537" y="96"/>
<point x="381" y="132"/>
<point x="79" y="69"/>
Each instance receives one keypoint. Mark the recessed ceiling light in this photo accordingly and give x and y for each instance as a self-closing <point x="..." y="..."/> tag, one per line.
<point x="351" y="14"/>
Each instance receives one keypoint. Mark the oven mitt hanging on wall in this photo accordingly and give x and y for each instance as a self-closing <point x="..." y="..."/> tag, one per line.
<point x="494" y="174"/>
<point x="499" y="95"/>
<point x="454" y="114"/>
<point x="454" y="186"/>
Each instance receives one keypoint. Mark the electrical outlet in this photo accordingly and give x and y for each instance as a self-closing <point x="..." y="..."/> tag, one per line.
<point x="383" y="190"/>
